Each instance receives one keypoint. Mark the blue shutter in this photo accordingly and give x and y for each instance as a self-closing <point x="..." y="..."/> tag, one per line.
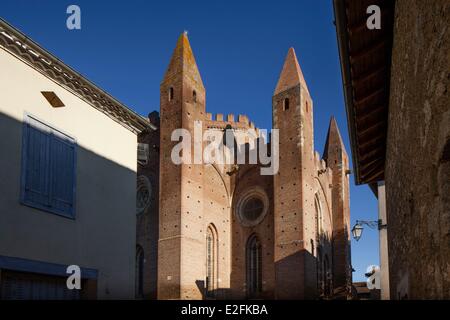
<point x="37" y="143"/>
<point x="62" y="169"/>
<point x="48" y="169"/>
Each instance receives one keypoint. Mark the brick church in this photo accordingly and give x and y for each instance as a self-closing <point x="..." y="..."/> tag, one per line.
<point x="207" y="231"/>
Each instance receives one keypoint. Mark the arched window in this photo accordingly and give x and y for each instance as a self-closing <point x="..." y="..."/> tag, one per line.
<point x="170" y="93"/>
<point x="307" y="107"/>
<point x="194" y="96"/>
<point x="322" y="261"/>
<point x="286" y="104"/>
<point x="254" y="266"/>
<point x="211" y="258"/>
<point x="139" y="272"/>
<point x="319" y="215"/>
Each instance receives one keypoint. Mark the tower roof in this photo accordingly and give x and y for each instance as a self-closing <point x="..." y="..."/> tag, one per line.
<point x="183" y="61"/>
<point x="291" y="75"/>
<point x="333" y="138"/>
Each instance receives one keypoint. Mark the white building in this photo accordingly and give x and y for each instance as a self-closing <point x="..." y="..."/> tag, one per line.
<point x="67" y="178"/>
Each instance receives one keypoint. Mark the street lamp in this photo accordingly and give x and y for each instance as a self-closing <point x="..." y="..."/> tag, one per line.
<point x="358" y="227"/>
<point x="357" y="231"/>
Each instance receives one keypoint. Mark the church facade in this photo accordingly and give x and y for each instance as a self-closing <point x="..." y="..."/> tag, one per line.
<point x="209" y="231"/>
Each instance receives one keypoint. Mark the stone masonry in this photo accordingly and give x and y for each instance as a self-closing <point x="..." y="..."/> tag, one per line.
<point x="224" y="231"/>
<point x="417" y="170"/>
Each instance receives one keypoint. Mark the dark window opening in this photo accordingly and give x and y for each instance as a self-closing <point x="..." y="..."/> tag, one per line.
<point x="254" y="267"/>
<point x="446" y="153"/>
<point x="252" y="209"/>
<point x="286" y="104"/>
<point x="211" y="266"/>
<point x="194" y="96"/>
<point x="139" y="272"/>
<point x="170" y="94"/>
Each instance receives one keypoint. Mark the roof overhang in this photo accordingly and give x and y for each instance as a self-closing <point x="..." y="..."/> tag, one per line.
<point x="365" y="57"/>
<point x="18" y="44"/>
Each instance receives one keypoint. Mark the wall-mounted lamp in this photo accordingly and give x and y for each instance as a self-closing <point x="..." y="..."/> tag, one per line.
<point x="358" y="228"/>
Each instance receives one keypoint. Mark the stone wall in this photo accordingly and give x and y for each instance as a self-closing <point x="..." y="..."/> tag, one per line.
<point x="196" y="198"/>
<point x="417" y="170"/>
<point x="248" y="180"/>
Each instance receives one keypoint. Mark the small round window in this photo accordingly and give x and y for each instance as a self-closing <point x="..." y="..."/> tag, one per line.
<point x="252" y="207"/>
<point x="143" y="194"/>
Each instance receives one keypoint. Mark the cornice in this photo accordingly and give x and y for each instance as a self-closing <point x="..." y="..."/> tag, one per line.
<point x="25" y="49"/>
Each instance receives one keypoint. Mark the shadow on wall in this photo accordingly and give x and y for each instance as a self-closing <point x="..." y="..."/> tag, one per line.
<point x="324" y="259"/>
<point x="314" y="281"/>
<point x="216" y="294"/>
<point x="102" y="233"/>
<point x="342" y="264"/>
<point x="147" y="226"/>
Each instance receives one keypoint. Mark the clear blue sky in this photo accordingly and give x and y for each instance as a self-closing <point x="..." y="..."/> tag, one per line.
<point x="125" y="46"/>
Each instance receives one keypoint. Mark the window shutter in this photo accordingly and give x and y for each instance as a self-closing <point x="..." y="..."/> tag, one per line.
<point x="14" y="288"/>
<point x="37" y="166"/>
<point x="62" y="169"/>
<point x="48" y="169"/>
<point x="35" y="287"/>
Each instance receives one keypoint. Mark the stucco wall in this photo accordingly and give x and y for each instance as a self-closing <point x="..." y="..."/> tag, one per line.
<point x="417" y="167"/>
<point x="102" y="236"/>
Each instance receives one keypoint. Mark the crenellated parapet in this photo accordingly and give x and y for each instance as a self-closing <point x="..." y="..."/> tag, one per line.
<point x="219" y="121"/>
